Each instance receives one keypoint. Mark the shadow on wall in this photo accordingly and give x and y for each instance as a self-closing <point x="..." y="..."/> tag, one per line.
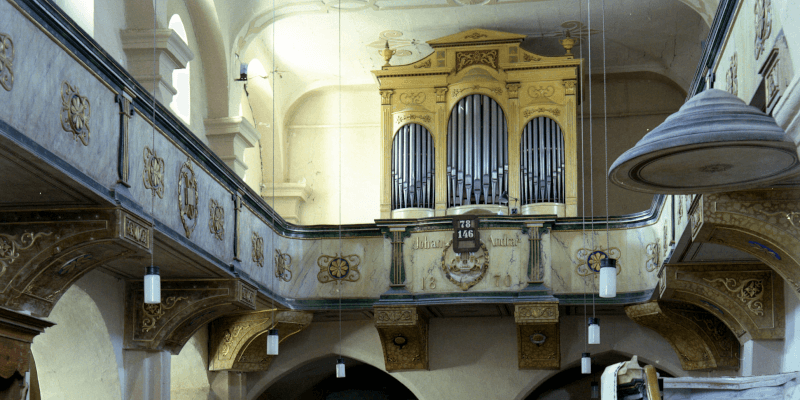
<point x="571" y="384"/>
<point x="316" y="380"/>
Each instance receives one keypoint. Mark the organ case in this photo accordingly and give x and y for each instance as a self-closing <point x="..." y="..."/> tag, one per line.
<point x="476" y="125"/>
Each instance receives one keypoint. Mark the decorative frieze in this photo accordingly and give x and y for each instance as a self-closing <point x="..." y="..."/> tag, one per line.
<point x="403" y="332"/>
<point x="187" y="306"/>
<point x="700" y="339"/>
<point x="466" y="59"/>
<point x="538" y="335"/>
<point x="238" y="342"/>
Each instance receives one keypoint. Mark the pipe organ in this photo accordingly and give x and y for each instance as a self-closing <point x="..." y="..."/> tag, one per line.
<point x="479" y="126"/>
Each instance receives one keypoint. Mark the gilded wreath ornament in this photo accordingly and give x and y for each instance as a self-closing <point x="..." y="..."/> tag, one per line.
<point x="465" y="270"/>
<point x="75" y="113"/>
<point x="338" y="268"/>
<point x="589" y="260"/>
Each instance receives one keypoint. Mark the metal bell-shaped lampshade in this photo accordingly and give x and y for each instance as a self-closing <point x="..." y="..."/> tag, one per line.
<point x="714" y="143"/>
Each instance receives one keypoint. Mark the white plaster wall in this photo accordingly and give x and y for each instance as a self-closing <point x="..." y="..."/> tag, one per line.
<point x="313" y="141"/>
<point x="189" y="369"/>
<point x="791" y="350"/>
<point x="469" y="358"/>
<point x="81" y="356"/>
<point x="109" y="19"/>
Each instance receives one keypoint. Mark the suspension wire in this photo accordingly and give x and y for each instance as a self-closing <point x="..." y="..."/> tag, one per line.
<point x="341" y="253"/>
<point x="583" y="183"/>
<point x="605" y="127"/>
<point x="274" y="232"/>
<point x="155" y="69"/>
<point x="591" y="145"/>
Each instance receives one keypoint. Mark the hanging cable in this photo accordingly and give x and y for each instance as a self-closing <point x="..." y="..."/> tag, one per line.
<point x="583" y="178"/>
<point x="152" y="279"/>
<point x="605" y="125"/>
<point x="340" y="364"/>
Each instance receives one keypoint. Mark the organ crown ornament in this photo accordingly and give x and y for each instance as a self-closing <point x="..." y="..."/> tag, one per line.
<point x="483" y="125"/>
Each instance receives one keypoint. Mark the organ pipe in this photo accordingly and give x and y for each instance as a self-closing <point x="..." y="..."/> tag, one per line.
<point x="412" y="168"/>
<point x="542" y="162"/>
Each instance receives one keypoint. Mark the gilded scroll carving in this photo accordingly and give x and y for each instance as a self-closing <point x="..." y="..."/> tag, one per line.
<point x="494" y="90"/>
<point x="513" y="90"/>
<point x="589" y="260"/>
<point x="283" y="265"/>
<point x="531" y="57"/>
<point x="413" y="117"/>
<point x="153" y="172"/>
<point x="465" y="270"/>
<point x="11" y="245"/>
<point x="154" y="312"/>
<point x="216" y="219"/>
<point x="187" y="197"/>
<point x="536" y="313"/>
<point x="386" y="97"/>
<point x="466" y="59"/>
<point x="763" y="20"/>
<point x="257" y="253"/>
<point x="425" y="64"/>
<point x="75" y="113"/>
<point x="338" y="268"/>
<point x="749" y="291"/>
<point x="6" y="62"/>
<point x="403" y="332"/>
<point x="541" y="110"/>
<point x="136" y="232"/>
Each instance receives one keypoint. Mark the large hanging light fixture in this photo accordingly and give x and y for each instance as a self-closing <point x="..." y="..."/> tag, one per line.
<point x="594" y="331"/>
<point x="715" y="142"/>
<point x="608" y="277"/>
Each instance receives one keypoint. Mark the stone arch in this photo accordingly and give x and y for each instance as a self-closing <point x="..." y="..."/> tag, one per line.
<point x="82" y="354"/>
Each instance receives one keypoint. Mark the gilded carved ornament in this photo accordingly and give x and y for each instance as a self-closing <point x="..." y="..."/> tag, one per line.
<point x="136" y="232"/>
<point x="763" y="22"/>
<point x="425" y="64"/>
<point x="589" y="260"/>
<point x="11" y="245"/>
<point x="6" y="62"/>
<point x="403" y="118"/>
<point x="75" y="113"/>
<point x="386" y="97"/>
<point x="257" y="254"/>
<point x="465" y="270"/>
<point x="494" y="90"/>
<point x="404" y="337"/>
<point x="538" y="338"/>
<point x="283" y="264"/>
<point x="749" y="291"/>
<point x="466" y="59"/>
<point x="541" y="110"/>
<point x="338" y="268"/>
<point x="153" y="173"/>
<point x="216" y="219"/>
<point x="531" y="57"/>
<point x="441" y="94"/>
<point x="187" y="197"/>
<point x="154" y="312"/>
<point x="731" y="76"/>
<point x="652" y="257"/>
<point x="513" y="90"/>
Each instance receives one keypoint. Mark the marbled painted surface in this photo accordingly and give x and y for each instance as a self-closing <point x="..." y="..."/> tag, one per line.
<point x="166" y="209"/>
<point x="41" y="66"/>
<point x="508" y="261"/>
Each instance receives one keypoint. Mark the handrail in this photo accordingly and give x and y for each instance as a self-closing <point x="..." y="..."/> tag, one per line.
<point x="723" y="20"/>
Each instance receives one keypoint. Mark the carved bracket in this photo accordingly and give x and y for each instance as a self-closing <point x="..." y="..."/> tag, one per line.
<point x="538" y="335"/>
<point x="747" y="298"/>
<point x="699" y="338"/>
<point x="238" y="343"/>
<point x="186" y="305"/>
<point x="404" y="337"/>
<point x="764" y="223"/>
<point x="16" y="335"/>
<point x="42" y="253"/>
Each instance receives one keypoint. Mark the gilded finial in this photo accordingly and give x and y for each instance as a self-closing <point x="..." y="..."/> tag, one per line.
<point x="387" y="54"/>
<point x="568" y="42"/>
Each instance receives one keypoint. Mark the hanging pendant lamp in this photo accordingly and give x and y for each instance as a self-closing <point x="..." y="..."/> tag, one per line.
<point x="594" y="331"/>
<point x="714" y="143"/>
<point x="608" y="278"/>
<point x="595" y="390"/>
<point x="340" y="367"/>
<point x="272" y="342"/>
<point x="152" y="286"/>
<point x="586" y="364"/>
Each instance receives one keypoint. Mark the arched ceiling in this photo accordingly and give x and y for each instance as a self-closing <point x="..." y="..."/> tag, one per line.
<point x="309" y="37"/>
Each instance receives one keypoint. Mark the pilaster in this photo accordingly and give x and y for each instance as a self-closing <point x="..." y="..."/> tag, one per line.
<point x="170" y="53"/>
<point x="147" y="374"/>
<point x="229" y="137"/>
<point x="286" y="199"/>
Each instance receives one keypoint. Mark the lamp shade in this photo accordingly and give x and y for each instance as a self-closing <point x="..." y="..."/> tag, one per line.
<point x="272" y="342"/>
<point x="714" y="143"/>
<point x="595" y="390"/>
<point x="340" y="367"/>
<point x="594" y="331"/>
<point x="586" y="364"/>
<point x="152" y="286"/>
<point x="608" y="277"/>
